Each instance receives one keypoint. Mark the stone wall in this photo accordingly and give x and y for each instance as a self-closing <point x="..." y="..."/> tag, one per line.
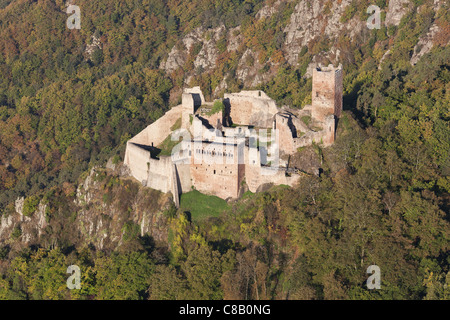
<point x="324" y="137"/>
<point x="286" y="141"/>
<point x="326" y="92"/>
<point x="137" y="159"/>
<point x="219" y="172"/>
<point x="184" y="177"/>
<point x="159" y="175"/>
<point x="158" y="130"/>
<point x="213" y="119"/>
<point x="253" y="108"/>
<point x="256" y="176"/>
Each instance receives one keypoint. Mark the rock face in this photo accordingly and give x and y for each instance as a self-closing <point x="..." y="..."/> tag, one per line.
<point x="310" y="21"/>
<point x="206" y="57"/>
<point x="176" y="59"/>
<point x="19" y="205"/>
<point x="95" y="45"/>
<point x="107" y="222"/>
<point x="396" y="10"/>
<point x="98" y="216"/>
<point x="267" y="11"/>
<point x="249" y="67"/>
<point x="424" y="45"/>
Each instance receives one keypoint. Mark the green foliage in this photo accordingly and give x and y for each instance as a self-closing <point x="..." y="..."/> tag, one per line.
<point x="130" y="231"/>
<point x="382" y="197"/>
<point x="123" y="276"/>
<point x="306" y="119"/>
<point x="30" y="205"/>
<point x="16" y="233"/>
<point x="218" y="106"/>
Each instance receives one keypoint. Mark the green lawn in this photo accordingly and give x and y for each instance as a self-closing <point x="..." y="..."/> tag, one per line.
<point x="202" y="206"/>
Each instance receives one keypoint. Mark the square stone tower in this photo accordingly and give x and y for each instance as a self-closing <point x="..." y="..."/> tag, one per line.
<point x="327" y="92"/>
<point x="191" y="99"/>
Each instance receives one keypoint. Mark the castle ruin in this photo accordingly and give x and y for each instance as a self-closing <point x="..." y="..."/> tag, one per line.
<point x="221" y="150"/>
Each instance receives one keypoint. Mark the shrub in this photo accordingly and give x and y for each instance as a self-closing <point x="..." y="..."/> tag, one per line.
<point x="217" y="107"/>
<point x="30" y="205"/>
<point x="16" y="233"/>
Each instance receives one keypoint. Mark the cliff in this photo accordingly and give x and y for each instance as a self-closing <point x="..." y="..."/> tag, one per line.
<point x="106" y="212"/>
<point x="323" y="29"/>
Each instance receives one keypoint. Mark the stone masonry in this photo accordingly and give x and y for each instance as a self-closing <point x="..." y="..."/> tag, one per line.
<point x="221" y="152"/>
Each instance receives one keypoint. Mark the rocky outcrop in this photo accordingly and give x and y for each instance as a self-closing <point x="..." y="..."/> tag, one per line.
<point x="93" y="46"/>
<point x="267" y="11"/>
<point x="396" y="10"/>
<point x="106" y="217"/>
<point x="103" y="216"/>
<point x="424" y="45"/>
<point x="30" y="227"/>
<point x="309" y="21"/>
<point x="206" y="58"/>
<point x="249" y="67"/>
<point x="176" y="59"/>
<point x="19" y="203"/>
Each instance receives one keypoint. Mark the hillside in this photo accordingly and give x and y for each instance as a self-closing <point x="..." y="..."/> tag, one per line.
<point x="70" y="99"/>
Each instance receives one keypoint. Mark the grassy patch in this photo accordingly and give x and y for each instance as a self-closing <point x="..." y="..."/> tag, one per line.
<point x="217" y="107"/>
<point x="306" y="120"/>
<point x="202" y="206"/>
<point x="247" y="194"/>
<point x="176" y="125"/>
<point x="167" y="146"/>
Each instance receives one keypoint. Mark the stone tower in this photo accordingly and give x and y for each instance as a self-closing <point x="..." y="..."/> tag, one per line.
<point x="327" y="91"/>
<point x="191" y="99"/>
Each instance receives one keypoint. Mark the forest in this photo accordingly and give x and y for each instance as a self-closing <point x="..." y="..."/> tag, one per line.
<point x="382" y="199"/>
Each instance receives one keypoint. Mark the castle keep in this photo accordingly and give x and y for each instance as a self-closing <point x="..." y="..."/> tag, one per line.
<point x="242" y="142"/>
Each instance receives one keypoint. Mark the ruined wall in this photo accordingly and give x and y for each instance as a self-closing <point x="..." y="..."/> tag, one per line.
<point x="158" y="130"/>
<point x="136" y="156"/>
<point x="286" y="140"/>
<point x="339" y="93"/>
<point x="191" y="100"/>
<point x="137" y="159"/>
<point x="197" y="94"/>
<point x="159" y="175"/>
<point x="328" y="134"/>
<point x="257" y="176"/>
<point x="251" y="108"/>
<point x="213" y="118"/>
<point x="324" y="137"/>
<point x="214" y="177"/>
<point x="290" y="130"/>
